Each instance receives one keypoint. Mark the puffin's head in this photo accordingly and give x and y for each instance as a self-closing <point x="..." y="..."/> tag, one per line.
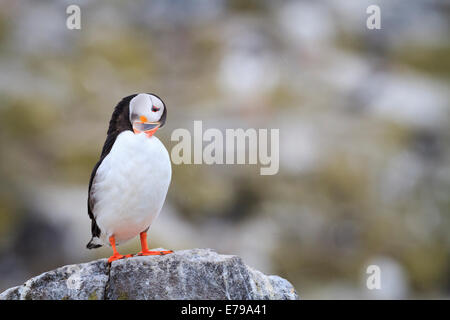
<point x="147" y="113"/>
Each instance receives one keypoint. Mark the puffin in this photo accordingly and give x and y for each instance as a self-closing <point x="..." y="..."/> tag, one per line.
<point x="129" y="184"/>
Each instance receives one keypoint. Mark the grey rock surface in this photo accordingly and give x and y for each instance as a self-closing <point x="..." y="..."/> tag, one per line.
<point x="187" y="274"/>
<point x="76" y="282"/>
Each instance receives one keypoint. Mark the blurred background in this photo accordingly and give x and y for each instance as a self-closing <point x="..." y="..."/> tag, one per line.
<point x="364" y="119"/>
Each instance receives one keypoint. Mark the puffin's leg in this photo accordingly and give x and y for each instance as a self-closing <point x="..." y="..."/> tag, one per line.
<point x="145" y="251"/>
<point x="116" y="255"/>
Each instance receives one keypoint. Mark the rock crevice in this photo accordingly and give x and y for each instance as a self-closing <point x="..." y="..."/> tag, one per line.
<point x="186" y="274"/>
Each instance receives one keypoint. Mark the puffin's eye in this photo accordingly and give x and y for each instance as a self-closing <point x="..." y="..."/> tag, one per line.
<point x="154" y="109"/>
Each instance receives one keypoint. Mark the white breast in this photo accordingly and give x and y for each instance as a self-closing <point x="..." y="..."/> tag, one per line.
<point x="130" y="186"/>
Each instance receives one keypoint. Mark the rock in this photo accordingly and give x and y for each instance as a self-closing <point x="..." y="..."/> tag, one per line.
<point x="187" y="274"/>
<point x="77" y="281"/>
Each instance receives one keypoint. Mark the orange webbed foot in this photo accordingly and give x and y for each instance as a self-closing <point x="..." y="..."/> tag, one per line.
<point x="115" y="257"/>
<point x="154" y="253"/>
<point x="146" y="252"/>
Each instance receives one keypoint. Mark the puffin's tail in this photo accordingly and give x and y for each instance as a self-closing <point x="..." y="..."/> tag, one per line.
<point x="94" y="243"/>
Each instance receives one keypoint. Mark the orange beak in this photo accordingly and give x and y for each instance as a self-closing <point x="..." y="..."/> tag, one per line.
<point x="149" y="128"/>
<point x="149" y="133"/>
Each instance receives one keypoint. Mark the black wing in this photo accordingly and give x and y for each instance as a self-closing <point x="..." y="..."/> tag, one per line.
<point x="95" y="230"/>
<point x="119" y="122"/>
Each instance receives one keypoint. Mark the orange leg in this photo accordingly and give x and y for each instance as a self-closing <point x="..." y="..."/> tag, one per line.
<point x="145" y="251"/>
<point x="116" y="255"/>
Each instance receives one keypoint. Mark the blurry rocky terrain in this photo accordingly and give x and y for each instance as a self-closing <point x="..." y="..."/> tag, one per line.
<point x="364" y="119"/>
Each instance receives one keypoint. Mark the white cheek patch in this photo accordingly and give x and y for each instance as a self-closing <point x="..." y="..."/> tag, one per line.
<point x="158" y="104"/>
<point x="142" y="105"/>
